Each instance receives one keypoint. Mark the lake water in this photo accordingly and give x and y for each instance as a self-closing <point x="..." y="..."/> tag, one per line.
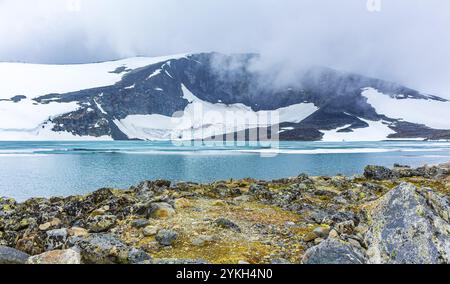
<point x="44" y="169"/>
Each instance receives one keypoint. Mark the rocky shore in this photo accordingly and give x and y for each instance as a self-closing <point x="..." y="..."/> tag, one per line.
<point x="398" y="215"/>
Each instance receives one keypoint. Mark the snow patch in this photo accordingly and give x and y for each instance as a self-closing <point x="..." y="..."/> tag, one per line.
<point x="154" y="74"/>
<point x="28" y="114"/>
<point x="377" y="131"/>
<point x="44" y="132"/>
<point x="100" y="107"/>
<point x="432" y="113"/>
<point x="168" y="74"/>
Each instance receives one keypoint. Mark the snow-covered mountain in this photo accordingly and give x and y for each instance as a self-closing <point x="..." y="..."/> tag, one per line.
<point x="159" y="98"/>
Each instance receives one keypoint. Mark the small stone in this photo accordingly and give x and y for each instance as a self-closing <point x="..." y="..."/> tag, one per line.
<point x="49" y="225"/>
<point x="166" y="237"/>
<point x="322" y="231"/>
<point x="160" y="210"/>
<point x="242" y="198"/>
<point x="150" y="231"/>
<point x="100" y="211"/>
<point x="77" y="232"/>
<point x="137" y="256"/>
<point x="45" y="227"/>
<point x="227" y="224"/>
<point x="346" y="227"/>
<point x="140" y="223"/>
<point x="340" y="200"/>
<point x="333" y="234"/>
<point x="289" y="224"/>
<point x="182" y="203"/>
<point x="69" y="256"/>
<point x="202" y="241"/>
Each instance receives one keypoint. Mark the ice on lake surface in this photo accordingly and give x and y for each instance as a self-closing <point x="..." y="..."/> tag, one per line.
<point x="44" y="169"/>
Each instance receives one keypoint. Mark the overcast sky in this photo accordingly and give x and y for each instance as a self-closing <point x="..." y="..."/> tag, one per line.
<point x="407" y="41"/>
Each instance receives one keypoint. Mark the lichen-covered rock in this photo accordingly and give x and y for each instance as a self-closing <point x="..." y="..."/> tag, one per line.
<point x="260" y="192"/>
<point x="332" y="251"/>
<point x="77" y="232"/>
<point x="69" y="256"/>
<point x="147" y="189"/>
<point x="7" y="206"/>
<point x="166" y="237"/>
<point x="160" y="210"/>
<point x="378" y="173"/>
<point x="31" y="244"/>
<point x="202" y="240"/>
<point x="140" y="223"/>
<point x="150" y="231"/>
<point x="222" y="190"/>
<point x="406" y="229"/>
<point x="106" y="249"/>
<point x="345" y="227"/>
<point x="56" y="239"/>
<point x="137" y="256"/>
<point x="322" y="231"/>
<point x="228" y="224"/>
<point x="101" y="223"/>
<point x="12" y="256"/>
<point x="50" y="225"/>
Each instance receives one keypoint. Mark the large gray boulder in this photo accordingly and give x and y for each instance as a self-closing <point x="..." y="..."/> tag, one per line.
<point x="12" y="256"/>
<point x="409" y="225"/>
<point x="107" y="249"/>
<point x="332" y="251"/>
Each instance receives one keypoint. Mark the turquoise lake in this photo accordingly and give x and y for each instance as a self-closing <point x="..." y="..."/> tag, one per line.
<point x="44" y="169"/>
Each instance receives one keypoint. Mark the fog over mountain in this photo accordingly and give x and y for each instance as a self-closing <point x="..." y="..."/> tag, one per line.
<point x="407" y="41"/>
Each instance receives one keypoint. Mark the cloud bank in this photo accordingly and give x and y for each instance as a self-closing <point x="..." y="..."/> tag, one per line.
<point x="407" y="41"/>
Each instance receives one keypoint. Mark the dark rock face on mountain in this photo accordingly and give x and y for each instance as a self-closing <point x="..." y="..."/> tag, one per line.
<point x="216" y="78"/>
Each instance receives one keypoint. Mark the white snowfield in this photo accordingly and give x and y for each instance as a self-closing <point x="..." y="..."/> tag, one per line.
<point x="28" y="114"/>
<point x="202" y="119"/>
<point x="432" y="113"/>
<point x="34" y="80"/>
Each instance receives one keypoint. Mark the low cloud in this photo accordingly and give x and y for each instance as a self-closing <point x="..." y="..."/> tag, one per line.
<point x="405" y="41"/>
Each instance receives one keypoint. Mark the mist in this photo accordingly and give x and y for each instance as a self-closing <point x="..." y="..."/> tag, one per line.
<point x="406" y="41"/>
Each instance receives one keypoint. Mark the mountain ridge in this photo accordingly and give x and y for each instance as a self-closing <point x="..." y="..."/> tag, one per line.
<point x="344" y="101"/>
